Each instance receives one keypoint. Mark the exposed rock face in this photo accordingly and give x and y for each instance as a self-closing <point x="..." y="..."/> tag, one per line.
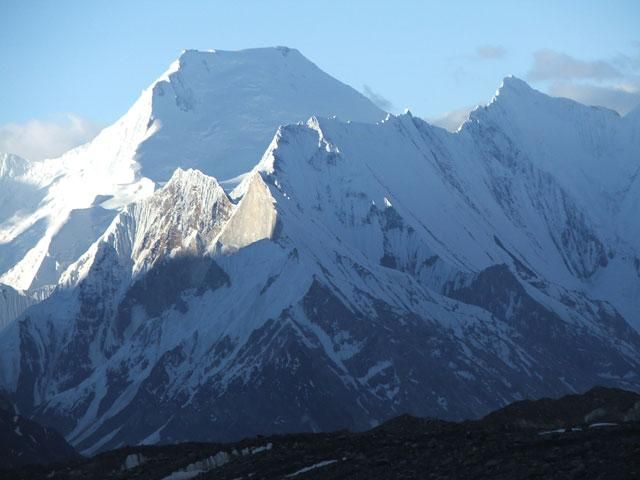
<point x="255" y="218"/>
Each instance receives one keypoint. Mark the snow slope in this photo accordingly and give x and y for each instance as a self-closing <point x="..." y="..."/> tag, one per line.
<point x="357" y="272"/>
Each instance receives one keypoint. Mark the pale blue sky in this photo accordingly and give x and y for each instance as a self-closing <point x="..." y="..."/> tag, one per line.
<point x="93" y="58"/>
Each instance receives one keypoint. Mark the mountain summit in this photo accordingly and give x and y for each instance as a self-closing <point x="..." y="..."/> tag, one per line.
<point x="217" y="110"/>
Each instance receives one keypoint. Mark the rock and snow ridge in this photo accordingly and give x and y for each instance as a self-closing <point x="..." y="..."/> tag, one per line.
<point x="357" y="272"/>
<point x="180" y="219"/>
<point x="213" y="110"/>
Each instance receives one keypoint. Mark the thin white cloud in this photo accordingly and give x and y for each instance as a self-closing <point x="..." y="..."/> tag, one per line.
<point x="552" y="65"/>
<point x="379" y="100"/>
<point x="39" y="139"/>
<point x="612" y="83"/>
<point x="491" y="52"/>
<point x="622" y="98"/>
<point x="452" y="120"/>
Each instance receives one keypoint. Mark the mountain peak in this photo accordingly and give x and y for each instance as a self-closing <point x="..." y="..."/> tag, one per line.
<point x="193" y="52"/>
<point x="190" y="184"/>
<point x="281" y="50"/>
<point x="270" y="86"/>
<point x="513" y="87"/>
<point x="512" y="94"/>
<point x="514" y="83"/>
<point x="253" y="56"/>
<point x="190" y="175"/>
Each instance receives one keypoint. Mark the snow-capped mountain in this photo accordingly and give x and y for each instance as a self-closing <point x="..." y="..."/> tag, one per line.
<point x="212" y="110"/>
<point x="359" y="271"/>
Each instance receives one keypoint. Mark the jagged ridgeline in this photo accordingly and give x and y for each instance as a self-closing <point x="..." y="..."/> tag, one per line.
<point x="360" y="270"/>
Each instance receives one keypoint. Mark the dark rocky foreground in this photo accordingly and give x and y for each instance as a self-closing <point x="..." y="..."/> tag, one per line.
<point x="594" y="435"/>
<point x="24" y="442"/>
